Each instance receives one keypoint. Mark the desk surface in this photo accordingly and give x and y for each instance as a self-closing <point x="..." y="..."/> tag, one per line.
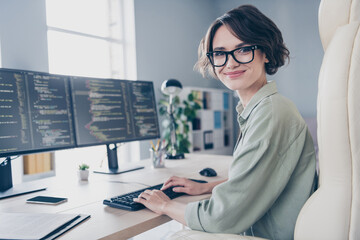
<point x="109" y="223"/>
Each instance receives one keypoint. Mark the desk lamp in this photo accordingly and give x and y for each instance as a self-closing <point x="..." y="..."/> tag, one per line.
<point x="171" y="88"/>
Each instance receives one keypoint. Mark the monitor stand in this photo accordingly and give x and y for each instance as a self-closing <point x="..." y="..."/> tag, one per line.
<point x="7" y="189"/>
<point x="114" y="168"/>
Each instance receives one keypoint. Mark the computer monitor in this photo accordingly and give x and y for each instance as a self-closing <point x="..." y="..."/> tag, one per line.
<point x="110" y="111"/>
<point x="35" y="116"/>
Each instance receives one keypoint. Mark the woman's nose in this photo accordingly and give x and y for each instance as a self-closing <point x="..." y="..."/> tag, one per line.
<point x="231" y="62"/>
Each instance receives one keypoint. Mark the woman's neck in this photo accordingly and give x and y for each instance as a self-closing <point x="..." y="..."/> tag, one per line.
<point x="246" y="95"/>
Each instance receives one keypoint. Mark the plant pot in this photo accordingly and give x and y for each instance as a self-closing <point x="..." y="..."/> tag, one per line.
<point x="84" y="175"/>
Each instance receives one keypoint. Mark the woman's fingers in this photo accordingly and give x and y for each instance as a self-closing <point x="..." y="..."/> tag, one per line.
<point x="145" y="194"/>
<point x="181" y="189"/>
<point x="154" y="200"/>
<point x="148" y="193"/>
<point x="171" y="179"/>
<point x="174" y="181"/>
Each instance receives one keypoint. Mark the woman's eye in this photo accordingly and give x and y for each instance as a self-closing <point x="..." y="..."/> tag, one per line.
<point x="219" y="54"/>
<point x="244" y="50"/>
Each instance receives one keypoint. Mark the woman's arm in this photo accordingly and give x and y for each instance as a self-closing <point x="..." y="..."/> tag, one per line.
<point x="190" y="187"/>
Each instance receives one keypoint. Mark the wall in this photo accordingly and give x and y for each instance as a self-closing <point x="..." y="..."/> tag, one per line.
<point x="168" y="33"/>
<point x="23" y="33"/>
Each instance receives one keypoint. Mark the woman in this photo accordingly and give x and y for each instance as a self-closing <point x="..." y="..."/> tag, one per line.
<point x="273" y="171"/>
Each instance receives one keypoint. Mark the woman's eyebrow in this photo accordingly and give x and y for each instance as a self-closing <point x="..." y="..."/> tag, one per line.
<point x="241" y="45"/>
<point x="219" y="49"/>
<point x="236" y="46"/>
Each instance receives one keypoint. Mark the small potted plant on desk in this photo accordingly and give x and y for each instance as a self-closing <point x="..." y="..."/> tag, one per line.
<point x="84" y="172"/>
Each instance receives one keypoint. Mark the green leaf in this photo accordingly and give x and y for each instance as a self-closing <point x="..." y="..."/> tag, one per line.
<point x="191" y="97"/>
<point x="163" y="102"/>
<point x="176" y="100"/>
<point x="186" y="128"/>
<point x="187" y="111"/>
<point x="186" y="103"/>
<point x="162" y="110"/>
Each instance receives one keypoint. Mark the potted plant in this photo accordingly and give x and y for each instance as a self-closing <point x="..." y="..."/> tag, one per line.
<point x="84" y="172"/>
<point x="185" y="114"/>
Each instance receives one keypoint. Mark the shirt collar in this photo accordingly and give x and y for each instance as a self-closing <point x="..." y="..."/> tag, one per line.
<point x="267" y="90"/>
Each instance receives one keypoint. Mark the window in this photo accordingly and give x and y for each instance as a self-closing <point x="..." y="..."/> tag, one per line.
<point x="94" y="38"/>
<point x="91" y="38"/>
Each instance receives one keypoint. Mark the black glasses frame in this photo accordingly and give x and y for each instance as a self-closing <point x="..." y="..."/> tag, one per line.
<point x="252" y="48"/>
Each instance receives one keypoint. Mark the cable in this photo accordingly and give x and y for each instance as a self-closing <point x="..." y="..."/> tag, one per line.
<point x="2" y="163"/>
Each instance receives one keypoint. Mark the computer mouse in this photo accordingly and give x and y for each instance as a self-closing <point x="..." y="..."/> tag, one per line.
<point x="208" y="172"/>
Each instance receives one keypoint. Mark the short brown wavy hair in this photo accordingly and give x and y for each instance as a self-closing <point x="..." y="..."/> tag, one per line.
<point x="251" y="26"/>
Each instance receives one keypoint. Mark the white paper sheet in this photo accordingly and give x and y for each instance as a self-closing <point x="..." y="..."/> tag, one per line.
<point x="31" y="225"/>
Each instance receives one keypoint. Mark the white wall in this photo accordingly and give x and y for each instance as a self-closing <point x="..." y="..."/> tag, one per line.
<point x="23" y="35"/>
<point x="168" y="33"/>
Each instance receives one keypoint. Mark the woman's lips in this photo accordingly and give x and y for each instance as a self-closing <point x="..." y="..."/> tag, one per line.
<point x="235" y="74"/>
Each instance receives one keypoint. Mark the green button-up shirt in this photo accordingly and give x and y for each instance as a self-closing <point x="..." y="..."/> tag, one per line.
<point x="271" y="177"/>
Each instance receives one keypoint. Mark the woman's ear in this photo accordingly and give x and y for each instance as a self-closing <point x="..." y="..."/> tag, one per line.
<point x="266" y="60"/>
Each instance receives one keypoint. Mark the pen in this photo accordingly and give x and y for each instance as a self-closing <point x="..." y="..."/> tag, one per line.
<point x="152" y="145"/>
<point x="163" y="144"/>
<point x="157" y="145"/>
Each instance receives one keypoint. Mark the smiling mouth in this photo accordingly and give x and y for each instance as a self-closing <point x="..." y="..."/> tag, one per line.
<point x="235" y="74"/>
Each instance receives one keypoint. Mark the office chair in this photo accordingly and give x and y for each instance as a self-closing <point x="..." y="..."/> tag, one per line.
<point x="333" y="211"/>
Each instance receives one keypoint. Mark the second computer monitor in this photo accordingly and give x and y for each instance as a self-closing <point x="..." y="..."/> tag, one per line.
<point x="111" y="111"/>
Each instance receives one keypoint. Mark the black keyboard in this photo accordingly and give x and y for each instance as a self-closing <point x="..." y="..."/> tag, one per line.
<point x="126" y="202"/>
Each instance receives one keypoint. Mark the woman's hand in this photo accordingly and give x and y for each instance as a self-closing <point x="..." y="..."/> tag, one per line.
<point x="155" y="200"/>
<point x="187" y="186"/>
<point x="159" y="203"/>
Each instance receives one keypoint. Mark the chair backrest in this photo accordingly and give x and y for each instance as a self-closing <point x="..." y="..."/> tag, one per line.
<point x="333" y="211"/>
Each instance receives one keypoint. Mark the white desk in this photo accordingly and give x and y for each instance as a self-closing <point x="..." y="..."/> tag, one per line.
<point x="111" y="223"/>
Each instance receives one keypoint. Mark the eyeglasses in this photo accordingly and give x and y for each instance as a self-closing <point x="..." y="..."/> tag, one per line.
<point x="241" y="55"/>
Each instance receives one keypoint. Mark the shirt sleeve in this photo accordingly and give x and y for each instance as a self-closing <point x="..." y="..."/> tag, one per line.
<point x="257" y="177"/>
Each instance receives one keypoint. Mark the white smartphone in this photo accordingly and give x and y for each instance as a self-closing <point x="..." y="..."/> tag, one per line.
<point x="46" y="200"/>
